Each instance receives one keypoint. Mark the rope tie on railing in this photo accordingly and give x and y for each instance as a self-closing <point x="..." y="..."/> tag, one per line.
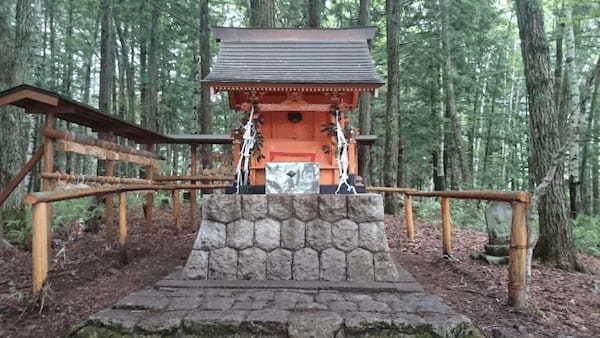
<point x="249" y="139"/>
<point x="342" y="156"/>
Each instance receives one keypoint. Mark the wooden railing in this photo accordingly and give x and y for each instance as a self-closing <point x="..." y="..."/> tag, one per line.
<point x="517" y="263"/>
<point x="41" y="217"/>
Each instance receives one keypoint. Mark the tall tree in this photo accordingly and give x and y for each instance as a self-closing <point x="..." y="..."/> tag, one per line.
<point x="204" y="114"/>
<point x="555" y="245"/>
<point x="262" y="13"/>
<point x="107" y="57"/>
<point x="364" y="115"/>
<point x="448" y="82"/>
<point x="14" y="125"/>
<point x="392" y="114"/>
<point x="151" y="97"/>
<point x="314" y="13"/>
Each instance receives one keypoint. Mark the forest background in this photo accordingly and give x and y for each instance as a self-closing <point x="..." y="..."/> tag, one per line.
<point x="454" y="113"/>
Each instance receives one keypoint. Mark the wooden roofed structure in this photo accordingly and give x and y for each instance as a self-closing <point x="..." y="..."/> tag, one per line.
<point x="41" y="101"/>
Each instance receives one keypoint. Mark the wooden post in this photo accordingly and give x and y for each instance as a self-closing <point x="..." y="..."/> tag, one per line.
<point x="109" y="208"/>
<point x="408" y="217"/>
<point x="446" y="226"/>
<point x="149" y="196"/>
<point x="39" y="246"/>
<point x="123" y="218"/>
<point x="48" y="167"/>
<point x="517" y="261"/>
<point x="176" y="209"/>
<point x="193" y="192"/>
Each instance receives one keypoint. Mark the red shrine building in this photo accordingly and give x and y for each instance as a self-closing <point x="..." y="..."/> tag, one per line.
<point x="295" y="88"/>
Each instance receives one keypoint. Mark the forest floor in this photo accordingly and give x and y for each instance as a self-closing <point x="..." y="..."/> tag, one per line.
<point x="89" y="277"/>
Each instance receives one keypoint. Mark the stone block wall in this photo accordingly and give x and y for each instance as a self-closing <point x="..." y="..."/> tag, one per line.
<point x="292" y="237"/>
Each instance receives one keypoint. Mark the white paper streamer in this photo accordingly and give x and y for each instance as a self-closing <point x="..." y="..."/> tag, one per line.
<point x="249" y="138"/>
<point x="342" y="155"/>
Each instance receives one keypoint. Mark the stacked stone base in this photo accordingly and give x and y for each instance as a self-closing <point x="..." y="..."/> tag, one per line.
<point x="292" y="237"/>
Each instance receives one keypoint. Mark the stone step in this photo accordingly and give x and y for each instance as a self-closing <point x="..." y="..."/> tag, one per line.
<point x="277" y="309"/>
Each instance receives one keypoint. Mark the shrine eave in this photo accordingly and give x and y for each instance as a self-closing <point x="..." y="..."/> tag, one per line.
<point x="292" y="87"/>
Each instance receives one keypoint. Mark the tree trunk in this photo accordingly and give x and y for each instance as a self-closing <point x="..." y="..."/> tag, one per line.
<point x="457" y="141"/>
<point x="262" y="13"/>
<point x="555" y="246"/>
<point x="573" y="100"/>
<point x="364" y="115"/>
<point x="595" y="180"/>
<point x="204" y="114"/>
<point x="107" y="61"/>
<point x="392" y="110"/>
<point x="314" y="13"/>
<point x="67" y="79"/>
<point x="151" y="103"/>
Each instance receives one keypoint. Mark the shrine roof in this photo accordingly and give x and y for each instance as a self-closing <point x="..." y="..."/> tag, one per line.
<point x="294" y="57"/>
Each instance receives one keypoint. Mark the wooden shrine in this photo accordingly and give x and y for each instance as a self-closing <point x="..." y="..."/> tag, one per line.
<point x="295" y="83"/>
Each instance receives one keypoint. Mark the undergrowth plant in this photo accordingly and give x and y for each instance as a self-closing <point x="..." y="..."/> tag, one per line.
<point x="586" y="233"/>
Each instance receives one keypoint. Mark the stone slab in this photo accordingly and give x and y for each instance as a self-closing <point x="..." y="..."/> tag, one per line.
<point x="278" y="309"/>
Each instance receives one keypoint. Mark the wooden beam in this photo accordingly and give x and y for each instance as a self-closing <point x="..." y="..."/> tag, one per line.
<point x="39" y="246"/>
<point x="10" y="187"/>
<point x="477" y="195"/>
<point x="176" y="209"/>
<point x="291" y="106"/>
<point x="28" y="94"/>
<point x="62" y="195"/>
<point x="48" y="167"/>
<point x="122" y="218"/>
<point x="109" y="211"/>
<point x="517" y="261"/>
<point x="104" y="154"/>
<point x="408" y="218"/>
<point x="104" y="144"/>
<point x="149" y="175"/>
<point x="446" y="226"/>
<point x="390" y="189"/>
<point x="193" y="193"/>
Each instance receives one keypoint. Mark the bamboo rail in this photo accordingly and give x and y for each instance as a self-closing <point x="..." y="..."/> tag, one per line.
<point x="192" y="178"/>
<point x="95" y="179"/>
<point x="517" y="268"/>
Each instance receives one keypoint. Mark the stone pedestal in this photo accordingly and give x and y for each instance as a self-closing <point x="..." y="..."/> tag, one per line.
<point x="292" y="237"/>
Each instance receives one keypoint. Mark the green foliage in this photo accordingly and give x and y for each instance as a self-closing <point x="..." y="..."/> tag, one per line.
<point x="67" y="213"/>
<point x="586" y="233"/>
<point x="464" y="214"/>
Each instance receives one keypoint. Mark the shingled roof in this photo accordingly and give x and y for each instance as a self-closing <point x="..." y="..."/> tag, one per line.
<point x="294" y="56"/>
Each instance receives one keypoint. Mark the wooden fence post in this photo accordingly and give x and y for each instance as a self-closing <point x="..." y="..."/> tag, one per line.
<point x="446" y="226"/>
<point x="39" y="246"/>
<point x="176" y="209"/>
<point x="408" y="217"/>
<point x="517" y="261"/>
<point x="123" y="218"/>
<point x="149" y="175"/>
<point x="193" y="192"/>
<point x="48" y="167"/>
<point x="109" y="211"/>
